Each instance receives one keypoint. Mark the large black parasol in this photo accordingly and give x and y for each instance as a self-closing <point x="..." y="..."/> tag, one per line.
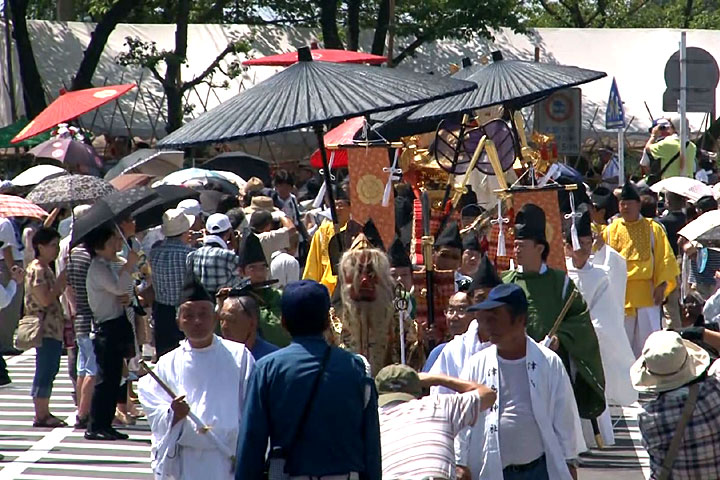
<point x="109" y="209"/>
<point x="242" y="164"/>
<point x="168" y="196"/>
<point x="512" y="83"/>
<point x="311" y="94"/>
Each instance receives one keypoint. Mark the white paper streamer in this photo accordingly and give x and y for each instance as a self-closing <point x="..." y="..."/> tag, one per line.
<point x="573" y="228"/>
<point x="323" y="188"/>
<point x="393" y="175"/>
<point x="501" y="233"/>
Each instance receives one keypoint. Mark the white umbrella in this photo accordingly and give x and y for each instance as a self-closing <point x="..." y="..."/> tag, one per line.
<point x="687" y="187"/>
<point x="37" y="174"/>
<point x="202" y="175"/>
<point x="704" y="229"/>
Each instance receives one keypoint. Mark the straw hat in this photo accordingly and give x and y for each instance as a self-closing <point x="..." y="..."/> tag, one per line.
<point x="668" y="362"/>
<point x="260" y="203"/>
<point x="176" y="222"/>
<point x="254" y="185"/>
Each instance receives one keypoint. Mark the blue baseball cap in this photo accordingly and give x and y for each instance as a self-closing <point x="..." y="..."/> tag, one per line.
<point x="305" y="299"/>
<point x="506" y="294"/>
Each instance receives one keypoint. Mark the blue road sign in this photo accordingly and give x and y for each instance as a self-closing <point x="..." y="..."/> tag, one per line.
<point x="615" y="112"/>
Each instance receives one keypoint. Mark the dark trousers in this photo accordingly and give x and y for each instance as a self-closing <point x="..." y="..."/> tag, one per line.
<point x="113" y="343"/>
<point x="535" y="470"/>
<point x="3" y="368"/>
<point x="166" y="333"/>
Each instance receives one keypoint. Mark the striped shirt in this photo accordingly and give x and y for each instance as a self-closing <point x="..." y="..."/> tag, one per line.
<point x="77" y="271"/>
<point x="417" y="437"/>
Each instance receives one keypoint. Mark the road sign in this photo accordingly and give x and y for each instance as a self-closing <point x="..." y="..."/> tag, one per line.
<point x="702" y="79"/>
<point x="561" y="115"/>
<point x="615" y="111"/>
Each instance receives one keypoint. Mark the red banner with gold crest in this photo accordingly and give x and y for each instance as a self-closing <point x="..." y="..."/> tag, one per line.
<point x="367" y="185"/>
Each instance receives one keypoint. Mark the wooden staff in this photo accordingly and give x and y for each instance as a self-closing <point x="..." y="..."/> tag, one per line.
<point x="553" y="331"/>
<point x="563" y="312"/>
<point x="202" y="428"/>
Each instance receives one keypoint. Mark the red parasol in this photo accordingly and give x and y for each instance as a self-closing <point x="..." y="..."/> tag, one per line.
<point x="318" y="54"/>
<point x="12" y="206"/>
<point x="71" y="105"/>
<point x="343" y="134"/>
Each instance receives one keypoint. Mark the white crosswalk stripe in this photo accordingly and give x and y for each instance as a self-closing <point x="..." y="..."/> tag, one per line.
<point x="61" y="453"/>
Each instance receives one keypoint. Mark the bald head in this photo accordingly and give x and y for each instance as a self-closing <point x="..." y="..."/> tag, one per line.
<point x="239" y="318"/>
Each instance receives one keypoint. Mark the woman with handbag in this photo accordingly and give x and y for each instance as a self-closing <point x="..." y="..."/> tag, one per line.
<point x="108" y="285"/>
<point x="42" y="305"/>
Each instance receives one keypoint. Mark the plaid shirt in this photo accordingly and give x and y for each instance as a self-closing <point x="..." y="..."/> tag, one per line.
<point x="77" y="271"/>
<point x="168" y="266"/>
<point x="214" y="267"/>
<point x="700" y="449"/>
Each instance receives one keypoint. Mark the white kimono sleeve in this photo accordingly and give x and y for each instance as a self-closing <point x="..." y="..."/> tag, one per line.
<point x="565" y="421"/>
<point x="155" y="401"/>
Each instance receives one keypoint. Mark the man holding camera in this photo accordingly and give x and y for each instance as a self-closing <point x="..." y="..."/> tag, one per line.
<point x="662" y="157"/>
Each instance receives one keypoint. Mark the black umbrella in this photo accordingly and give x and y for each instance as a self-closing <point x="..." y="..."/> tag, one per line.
<point x="242" y="164"/>
<point x="108" y="209"/>
<point x="168" y="196"/>
<point x="149" y="161"/>
<point x="311" y="94"/>
<point x="69" y="190"/>
<point x="512" y="83"/>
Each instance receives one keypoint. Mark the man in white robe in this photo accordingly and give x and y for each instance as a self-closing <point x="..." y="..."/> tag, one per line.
<point x="456" y="353"/>
<point x="607" y="312"/>
<point x="209" y="374"/>
<point x="533" y="431"/>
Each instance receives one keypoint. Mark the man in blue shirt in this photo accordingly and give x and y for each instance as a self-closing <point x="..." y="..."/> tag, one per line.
<point x="239" y="318"/>
<point x="340" y="437"/>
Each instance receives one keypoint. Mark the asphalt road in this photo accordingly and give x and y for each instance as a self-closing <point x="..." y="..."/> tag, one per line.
<point x="63" y="454"/>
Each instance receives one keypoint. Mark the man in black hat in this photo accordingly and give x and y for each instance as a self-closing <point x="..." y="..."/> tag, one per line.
<point x="318" y="265"/>
<point x="651" y="266"/>
<point x="471" y="255"/>
<point x="603" y="207"/>
<point x="448" y="252"/>
<point x="484" y="279"/>
<point x="548" y="290"/>
<point x="607" y="314"/>
<point x="400" y="264"/>
<point x="210" y="375"/>
<point x="253" y="265"/>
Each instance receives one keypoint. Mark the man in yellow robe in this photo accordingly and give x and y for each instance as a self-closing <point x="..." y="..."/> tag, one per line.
<point x="652" y="270"/>
<point x="317" y="265"/>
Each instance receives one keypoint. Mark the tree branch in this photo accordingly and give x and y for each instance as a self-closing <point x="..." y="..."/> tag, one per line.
<point x="553" y="13"/>
<point x="410" y="49"/>
<point x="213" y="12"/>
<point x="98" y="40"/>
<point x="200" y="78"/>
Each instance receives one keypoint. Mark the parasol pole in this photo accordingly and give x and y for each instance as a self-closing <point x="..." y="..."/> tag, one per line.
<point x="326" y="173"/>
<point x="427" y="248"/>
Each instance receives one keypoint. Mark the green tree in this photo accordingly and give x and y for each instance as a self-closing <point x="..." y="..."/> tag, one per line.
<point x="146" y="54"/>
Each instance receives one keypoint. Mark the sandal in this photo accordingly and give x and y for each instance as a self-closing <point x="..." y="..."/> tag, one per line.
<point x="50" y="421"/>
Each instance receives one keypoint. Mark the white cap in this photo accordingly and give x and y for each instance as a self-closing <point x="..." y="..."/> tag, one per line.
<point x="80" y="210"/>
<point x="191" y="207"/>
<point x="218" y="223"/>
<point x="176" y="222"/>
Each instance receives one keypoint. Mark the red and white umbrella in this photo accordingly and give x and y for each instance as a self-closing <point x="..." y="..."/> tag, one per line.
<point x="343" y="134"/>
<point x="13" y="206"/>
<point x="318" y="54"/>
<point x="71" y="105"/>
<point x="684" y="186"/>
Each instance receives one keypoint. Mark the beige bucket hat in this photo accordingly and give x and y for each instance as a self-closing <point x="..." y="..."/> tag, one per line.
<point x="667" y="362"/>
<point x="176" y="222"/>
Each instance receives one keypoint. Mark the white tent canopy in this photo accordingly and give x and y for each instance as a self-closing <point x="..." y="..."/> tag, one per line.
<point x="635" y="57"/>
